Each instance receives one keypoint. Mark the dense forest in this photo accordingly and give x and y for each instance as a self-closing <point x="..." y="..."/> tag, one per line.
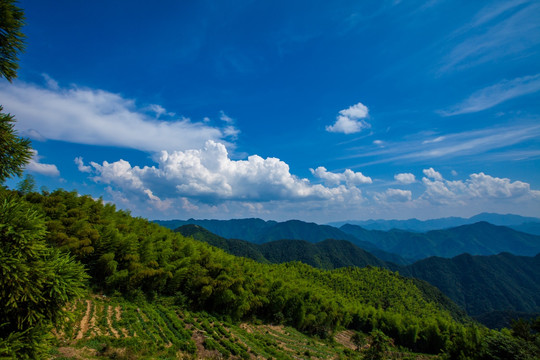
<point x="63" y="253"/>
<point x="479" y="284"/>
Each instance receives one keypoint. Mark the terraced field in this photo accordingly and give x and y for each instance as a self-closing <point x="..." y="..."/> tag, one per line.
<point x="101" y="327"/>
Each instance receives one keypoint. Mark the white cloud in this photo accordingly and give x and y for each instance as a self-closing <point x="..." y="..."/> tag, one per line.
<point x="98" y="117"/>
<point x="209" y="176"/>
<point x="44" y="169"/>
<point x="405" y="178"/>
<point x="397" y="195"/>
<point x="80" y="165"/>
<point x="349" y="177"/>
<point x="477" y="186"/>
<point x="350" y="120"/>
<point x="431" y="173"/>
<point x="206" y="183"/>
<point x="495" y="94"/>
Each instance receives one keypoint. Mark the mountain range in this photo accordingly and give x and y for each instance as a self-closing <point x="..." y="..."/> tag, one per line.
<point x="396" y="246"/>
<point x="529" y="225"/>
<point x="480" y="238"/>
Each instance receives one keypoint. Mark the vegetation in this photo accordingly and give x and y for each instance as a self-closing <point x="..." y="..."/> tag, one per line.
<point x="144" y="261"/>
<point x="482" y="284"/>
<point x="327" y="254"/>
<point x="168" y="296"/>
<point x="479" y="284"/>
<point x="11" y="38"/>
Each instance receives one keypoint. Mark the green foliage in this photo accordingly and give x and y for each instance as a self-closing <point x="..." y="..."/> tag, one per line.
<point x="481" y="284"/>
<point x="36" y="280"/>
<point x="137" y="257"/>
<point x="15" y="152"/>
<point x="11" y="38"/>
<point x="379" y="345"/>
<point x="27" y="185"/>
<point x="143" y="260"/>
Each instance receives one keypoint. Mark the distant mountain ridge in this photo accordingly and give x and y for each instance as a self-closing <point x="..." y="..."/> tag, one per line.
<point x="396" y="246"/>
<point x="258" y="231"/>
<point x="521" y="223"/>
<point x="480" y="238"/>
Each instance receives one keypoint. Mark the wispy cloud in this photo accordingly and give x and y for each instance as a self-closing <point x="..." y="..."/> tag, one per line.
<point x="495" y="94"/>
<point x="496" y="31"/>
<point x="454" y="145"/>
<point x="99" y="117"/>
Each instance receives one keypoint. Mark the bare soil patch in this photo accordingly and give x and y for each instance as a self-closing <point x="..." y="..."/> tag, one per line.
<point x="84" y="322"/>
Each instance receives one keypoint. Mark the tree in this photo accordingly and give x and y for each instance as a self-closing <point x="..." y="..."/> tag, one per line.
<point x="11" y="38"/>
<point x="36" y="280"/>
<point x="27" y="185"/>
<point x="380" y="344"/>
<point x="15" y="152"/>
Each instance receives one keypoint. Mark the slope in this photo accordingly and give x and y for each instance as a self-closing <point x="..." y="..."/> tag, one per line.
<point x="327" y="254"/>
<point x="479" y="284"/>
<point x="482" y="284"/>
<point x="136" y="259"/>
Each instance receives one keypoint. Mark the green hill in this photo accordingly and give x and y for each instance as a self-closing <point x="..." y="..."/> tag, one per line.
<point x="327" y="254"/>
<point x="482" y="284"/>
<point x="158" y="275"/>
<point x="478" y="284"/>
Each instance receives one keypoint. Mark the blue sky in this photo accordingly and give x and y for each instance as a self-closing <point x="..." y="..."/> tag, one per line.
<point x="319" y="111"/>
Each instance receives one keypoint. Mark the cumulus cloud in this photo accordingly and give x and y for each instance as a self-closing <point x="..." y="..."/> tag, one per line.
<point x="98" y="117"/>
<point x="477" y="186"/>
<point x="349" y="177"/>
<point x="37" y="167"/>
<point x="431" y="173"/>
<point x="405" y="178"/>
<point x="208" y="175"/>
<point x="350" y="120"/>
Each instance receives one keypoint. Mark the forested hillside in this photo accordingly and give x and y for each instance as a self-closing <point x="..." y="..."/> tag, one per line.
<point x="482" y="284"/>
<point x="327" y="254"/>
<point x="141" y="260"/>
<point x="478" y="284"/>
